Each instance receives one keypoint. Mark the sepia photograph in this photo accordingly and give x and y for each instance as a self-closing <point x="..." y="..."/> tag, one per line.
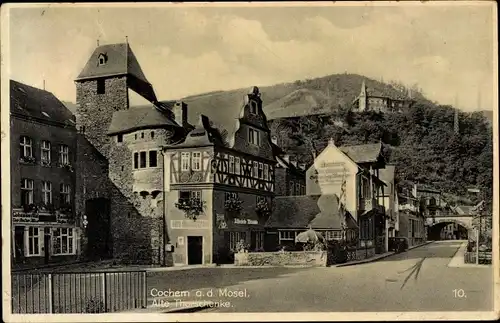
<point x="249" y="161"/>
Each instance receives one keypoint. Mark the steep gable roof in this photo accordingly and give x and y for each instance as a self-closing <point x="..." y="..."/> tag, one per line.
<point x="120" y="60"/>
<point x="39" y="104"/>
<point x="223" y="109"/>
<point x="368" y="153"/>
<point x="140" y="117"/>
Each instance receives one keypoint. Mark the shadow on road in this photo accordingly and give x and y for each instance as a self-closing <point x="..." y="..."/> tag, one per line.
<point x="212" y="277"/>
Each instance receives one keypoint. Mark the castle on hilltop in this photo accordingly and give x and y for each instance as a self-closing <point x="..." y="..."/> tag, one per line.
<point x="373" y="100"/>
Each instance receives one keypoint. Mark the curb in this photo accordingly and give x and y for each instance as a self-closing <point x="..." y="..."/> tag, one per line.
<point x="364" y="261"/>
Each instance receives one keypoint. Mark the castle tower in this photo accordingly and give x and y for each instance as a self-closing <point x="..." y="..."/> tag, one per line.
<point x="102" y="88"/>
<point x="362" y="98"/>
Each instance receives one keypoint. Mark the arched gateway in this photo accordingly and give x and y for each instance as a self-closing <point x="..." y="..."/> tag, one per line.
<point x="461" y="230"/>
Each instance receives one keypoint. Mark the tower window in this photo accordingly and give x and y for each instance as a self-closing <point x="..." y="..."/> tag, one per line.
<point x="253" y="107"/>
<point x="152" y="134"/>
<point x="142" y="134"/>
<point x="101" y="87"/>
<point x="119" y="138"/>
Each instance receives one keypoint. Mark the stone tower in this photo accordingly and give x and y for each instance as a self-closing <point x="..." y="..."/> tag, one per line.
<point x="102" y="88"/>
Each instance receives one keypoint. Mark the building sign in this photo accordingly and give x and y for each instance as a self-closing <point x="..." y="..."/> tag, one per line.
<point x="245" y="221"/>
<point x="189" y="224"/>
<point x="330" y="173"/>
<point x="221" y="222"/>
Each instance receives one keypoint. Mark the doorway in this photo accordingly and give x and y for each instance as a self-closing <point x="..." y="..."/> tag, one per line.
<point x="19" y="242"/>
<point x="195" y="250"/>
<point x="46" y="245"/>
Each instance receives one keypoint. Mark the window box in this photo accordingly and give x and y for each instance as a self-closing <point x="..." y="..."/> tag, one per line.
<point x="45" y="163"/>
<point x="67" y="166"/>
<point x="262" y="208"/>
<point x="47" y="207"/>
<point x="233" y="204"/>
<point x="192" y="207"/>
<point x="30" y="208"/>
<point x="28" y="160"/>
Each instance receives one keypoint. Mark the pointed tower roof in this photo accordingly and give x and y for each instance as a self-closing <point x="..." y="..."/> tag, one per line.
<point x="117" y="60"/>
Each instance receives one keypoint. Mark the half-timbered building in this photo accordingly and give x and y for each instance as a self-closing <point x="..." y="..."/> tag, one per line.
<point x="220" y="179"/>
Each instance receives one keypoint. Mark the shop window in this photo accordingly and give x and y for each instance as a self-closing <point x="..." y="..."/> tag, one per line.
<point x="63" y="240"/>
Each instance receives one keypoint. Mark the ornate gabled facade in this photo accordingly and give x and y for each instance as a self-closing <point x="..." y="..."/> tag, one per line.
<point x="220" y="180"/>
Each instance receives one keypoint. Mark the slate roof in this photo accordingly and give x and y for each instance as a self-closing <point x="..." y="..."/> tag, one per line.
<point x="35" y="103"/>
<point x="222" y="108"/>
<point x="140" y="117"/>
<point x="120" y="60"/>
<point x="465" y="209"/>
<point x="297" y="212"/>
<point x="299" y="103"/>
<point x="360" y="154"/>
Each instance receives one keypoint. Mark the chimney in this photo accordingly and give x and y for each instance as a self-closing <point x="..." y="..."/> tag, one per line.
<point x="274" y="140"/>
<point x="180" y="113"/>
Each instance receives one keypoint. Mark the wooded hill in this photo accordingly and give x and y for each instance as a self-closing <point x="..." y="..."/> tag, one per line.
<point x="421" y="141"/>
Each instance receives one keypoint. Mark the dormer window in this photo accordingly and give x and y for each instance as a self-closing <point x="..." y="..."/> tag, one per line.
<point x="253" y="107"/>
<point x="102" y="59"/>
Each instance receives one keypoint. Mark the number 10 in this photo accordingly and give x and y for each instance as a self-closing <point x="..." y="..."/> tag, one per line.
<point x="460" y="293"/>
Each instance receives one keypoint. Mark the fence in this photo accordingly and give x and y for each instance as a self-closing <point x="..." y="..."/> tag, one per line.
<point x="78" y="292"/>
<point x="484" y="257"/>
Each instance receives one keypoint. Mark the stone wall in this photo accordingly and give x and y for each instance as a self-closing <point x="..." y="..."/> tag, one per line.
<point x="290" y="258"/>
<point x="137" y="203"/>
<point x="95" y="111"/>
<point x="360" y="254"/>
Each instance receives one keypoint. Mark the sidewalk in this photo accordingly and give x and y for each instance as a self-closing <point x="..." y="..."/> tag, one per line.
<point x="458" y="260"/>
<point x="378" y="257"/>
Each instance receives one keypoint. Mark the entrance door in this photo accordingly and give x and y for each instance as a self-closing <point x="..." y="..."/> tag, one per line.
<point x="19" y="242"/>
<point x="195" y="250"/>
<point x="46" y="246"/>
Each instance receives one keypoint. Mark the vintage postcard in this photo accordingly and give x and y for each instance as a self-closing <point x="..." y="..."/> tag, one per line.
<point x="249" y="161"/>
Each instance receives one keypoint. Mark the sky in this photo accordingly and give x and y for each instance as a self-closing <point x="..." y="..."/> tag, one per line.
<point x="448" y="50"/>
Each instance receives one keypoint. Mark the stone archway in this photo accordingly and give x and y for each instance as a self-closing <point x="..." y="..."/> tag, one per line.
<point x="439" y="230"/>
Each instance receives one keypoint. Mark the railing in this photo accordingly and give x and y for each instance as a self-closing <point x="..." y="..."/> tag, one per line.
<point x="78" y="292"/>
<point x="484" y="257"/>
<point x="366" y="204"/>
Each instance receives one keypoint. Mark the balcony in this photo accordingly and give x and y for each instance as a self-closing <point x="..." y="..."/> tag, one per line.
<point x="366" y="205"/>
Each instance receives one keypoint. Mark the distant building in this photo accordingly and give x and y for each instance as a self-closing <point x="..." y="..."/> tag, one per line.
<point x="411" y="219"/>
<point x="43" y="152"/>
<point x="371" y="100"/>
<point x="290" y="176"/>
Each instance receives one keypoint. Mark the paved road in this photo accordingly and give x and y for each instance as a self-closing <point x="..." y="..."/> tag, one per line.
<point x="417" y="280"/>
